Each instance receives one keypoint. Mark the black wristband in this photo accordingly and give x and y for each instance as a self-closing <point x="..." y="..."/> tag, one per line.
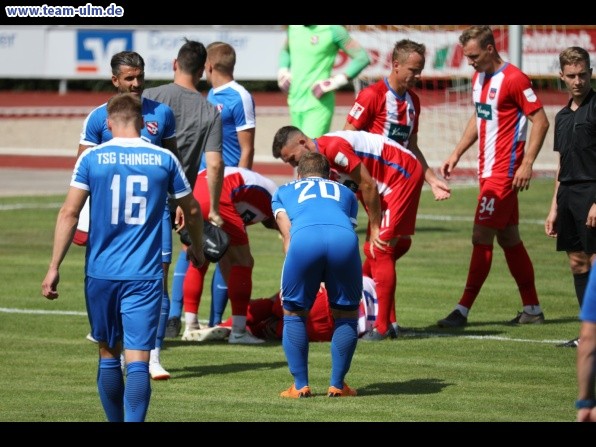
<point x="585" y="403"/>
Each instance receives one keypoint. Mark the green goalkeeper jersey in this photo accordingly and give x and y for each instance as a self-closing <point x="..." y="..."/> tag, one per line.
<point x="310" y="54"/>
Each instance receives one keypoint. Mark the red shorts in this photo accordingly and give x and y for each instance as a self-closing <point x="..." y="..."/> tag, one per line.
<point x="400" y="207"/>
<point x="497" y="204"/>
<point x="233" y="223"/>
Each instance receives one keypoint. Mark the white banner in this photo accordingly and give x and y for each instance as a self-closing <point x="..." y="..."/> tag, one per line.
<point x="70" y="53"/>
<point x="22" y="52"/>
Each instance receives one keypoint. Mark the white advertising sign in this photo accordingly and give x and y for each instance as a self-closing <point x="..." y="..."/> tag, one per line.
<point x="84" y="53"/>
<point x="22" y="51"/>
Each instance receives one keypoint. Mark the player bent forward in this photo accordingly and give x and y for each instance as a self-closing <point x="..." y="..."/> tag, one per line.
<point x="316" y="217"/>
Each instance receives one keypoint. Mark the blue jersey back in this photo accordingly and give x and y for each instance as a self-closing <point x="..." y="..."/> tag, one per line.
<point x="237" y="109"/>
<point x="316" y="201"/>
<point x="128" y="180"/>
<point x="159" y="124"/>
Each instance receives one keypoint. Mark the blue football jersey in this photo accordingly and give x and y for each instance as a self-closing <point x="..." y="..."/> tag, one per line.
<point x="159" y="124"/>
<point x="316" y="201"/>
<point x="128" y="180"/>
<point x="237" y="109"/>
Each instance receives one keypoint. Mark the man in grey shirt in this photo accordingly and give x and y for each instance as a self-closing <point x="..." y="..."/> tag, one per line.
<point x="198" y="130"/>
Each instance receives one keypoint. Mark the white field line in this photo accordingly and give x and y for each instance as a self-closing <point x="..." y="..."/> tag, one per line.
<point x="435" y="217"/>
<point x="408" y="334"/>
<point x="29" y="206"/>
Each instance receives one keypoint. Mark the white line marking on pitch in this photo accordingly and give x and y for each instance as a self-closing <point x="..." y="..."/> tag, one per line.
<point x="29" y="206"/>
<point x="435" y="217"/>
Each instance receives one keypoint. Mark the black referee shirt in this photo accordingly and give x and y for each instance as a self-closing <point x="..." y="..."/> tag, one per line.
<point x="575" y="140"/>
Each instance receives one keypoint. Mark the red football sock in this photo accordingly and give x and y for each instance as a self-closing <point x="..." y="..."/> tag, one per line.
<point x="383" y="271"/>
<point x="240" y="288"/>
<point x="401" y="248"/>
<point x="522" y="270"/>
<point x="192" y="288"/>
<point x="482" y="257"/>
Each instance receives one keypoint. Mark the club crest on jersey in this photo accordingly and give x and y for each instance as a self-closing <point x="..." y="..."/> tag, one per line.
<point x="492" y="93"/>
<point x="356" y="110"/>
<point x="219" y="107"/>
<point x="152" y="127"/>
<point x="314" y="40"/>
<point x="411" y="114"/>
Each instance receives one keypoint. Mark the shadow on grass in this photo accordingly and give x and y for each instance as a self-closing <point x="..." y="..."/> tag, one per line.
<point x="228" y="368"/>
<point x="434" y="331"/>
<point x="413" y="387"/>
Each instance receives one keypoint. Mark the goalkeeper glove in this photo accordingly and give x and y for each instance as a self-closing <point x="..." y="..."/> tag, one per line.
<point x="284" y="79"/>
<point x="319" y="88"/>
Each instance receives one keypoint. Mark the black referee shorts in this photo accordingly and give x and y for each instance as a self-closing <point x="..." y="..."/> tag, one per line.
<point x="573" y="204"/>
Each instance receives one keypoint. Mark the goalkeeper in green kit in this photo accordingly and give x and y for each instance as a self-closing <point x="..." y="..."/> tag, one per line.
<point x="305" y="65"/>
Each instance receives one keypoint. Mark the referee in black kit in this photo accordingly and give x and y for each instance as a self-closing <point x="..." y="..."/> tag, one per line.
<point x="572" y="216"/>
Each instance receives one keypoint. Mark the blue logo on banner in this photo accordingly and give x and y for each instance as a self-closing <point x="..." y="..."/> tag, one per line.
<point x="95" y="48"/>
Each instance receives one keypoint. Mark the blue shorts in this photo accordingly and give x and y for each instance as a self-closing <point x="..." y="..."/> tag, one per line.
<point x="322" y="253"/>
<point x="125" y="311"/>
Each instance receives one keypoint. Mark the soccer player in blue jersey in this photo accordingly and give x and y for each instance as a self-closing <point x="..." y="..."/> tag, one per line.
<point x="237" y="109"/>
<point x="159" y="127"/>
<point x="128" y="181"/>
<point x="316" y="217"/>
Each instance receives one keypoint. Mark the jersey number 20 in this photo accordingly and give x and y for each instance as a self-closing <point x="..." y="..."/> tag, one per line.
<point x="309" y="184"/>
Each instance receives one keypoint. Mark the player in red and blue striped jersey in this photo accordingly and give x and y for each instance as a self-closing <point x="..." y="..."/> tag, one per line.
<point x="504" y="102"/>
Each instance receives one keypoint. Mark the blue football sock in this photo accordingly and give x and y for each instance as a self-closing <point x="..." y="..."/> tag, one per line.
<point x="110" y="385"/>
<point x="163" y="319"/>
<point x="295" y="344"/>
<point x="343" y="345"/>
<point x="137" y="392"/>
<point x="219" y="297"/>
<point x="178" y="284"/>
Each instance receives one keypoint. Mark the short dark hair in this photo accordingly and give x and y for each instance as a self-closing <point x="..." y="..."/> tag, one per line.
<point x="128" y="59"/>
<point x="281" y="137"/>
<point x="313" y="164"/>
<point x="191" y="57"/>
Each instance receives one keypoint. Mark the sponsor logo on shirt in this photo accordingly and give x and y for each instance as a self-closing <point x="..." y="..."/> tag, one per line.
<point x="356" y="110"/>
<point x="484" y="111"/>
<point x="398" y="132"/>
